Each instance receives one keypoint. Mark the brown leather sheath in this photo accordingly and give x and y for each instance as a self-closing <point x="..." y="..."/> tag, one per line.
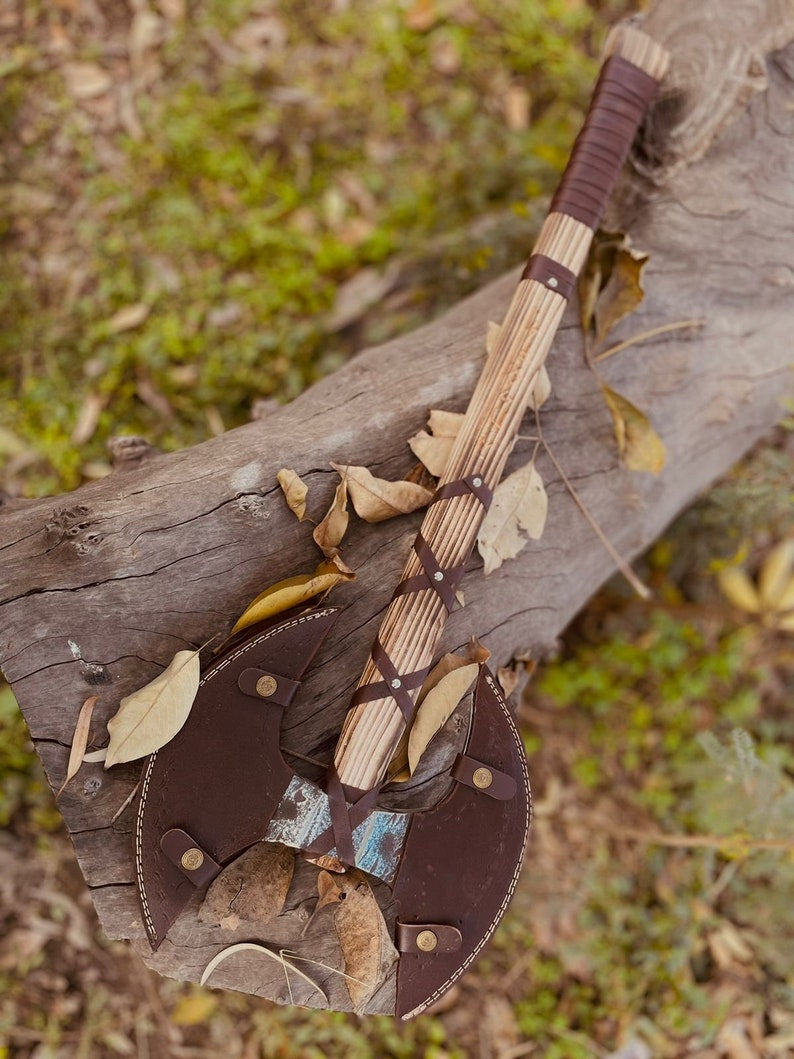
<point x="220" y="791"/>
<point x="461" y="859"/>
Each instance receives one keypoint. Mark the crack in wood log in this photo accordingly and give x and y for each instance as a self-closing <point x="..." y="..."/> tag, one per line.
<point x="174" y="548"/>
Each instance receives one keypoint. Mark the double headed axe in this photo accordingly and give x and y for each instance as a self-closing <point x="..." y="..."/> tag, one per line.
<point x="222" y="785"/>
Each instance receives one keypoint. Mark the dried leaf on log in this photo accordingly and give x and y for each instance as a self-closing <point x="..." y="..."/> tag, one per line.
<point x="151" y="716"/>
<point x="252" y="889"/>
<point x="622" y="293"/>
<point x="364" y="938"/>
<point x="329" y="533"/>
<point x="193" y="1009"/>
<point x="295" y="490"/>
<point x="640" y="447"/>
<point x="436" y="709"/>
<point x="375" y="499"/>
<point x="519" y="503"/>
<point x="433" y="448"/>
<point x="79" y="740"/>
<point x="249" y="946"/>
<point x="291" y="592"/>
<point x="328" y="893"/>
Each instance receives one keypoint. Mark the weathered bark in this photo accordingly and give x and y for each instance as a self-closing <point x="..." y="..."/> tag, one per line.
<point x="101" y="587"/>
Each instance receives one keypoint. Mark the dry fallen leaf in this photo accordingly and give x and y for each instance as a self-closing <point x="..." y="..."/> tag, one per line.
<point x="295" y="490"/>
<point x="253" y="888"/>
<point x="640" y="447"/>
<point x="436" y="709"/>
<point x="540" y="390"/>
<point x="328" y="893"/>
<point x="79" y="740"/>
<point x="364" y="938"/>
<point x="375" y="499"/>
<point x="398" y="770"/>
<point x="291" y="593"/>
<point x="775" y="576"/>
<point x="150" y="717"/>
<point x="739" y="589"/>
<point x="508" y="679"/>
<point x="622" y="292"/>
<point x="433" y="448"/>
<point x="193" y="1009"/>
<point x="329" y="533"/>
<point x="519" y="503"/>
<point x="86" y="80"/>
<point x="128" y="318"/>
<point x="248" y="946"/>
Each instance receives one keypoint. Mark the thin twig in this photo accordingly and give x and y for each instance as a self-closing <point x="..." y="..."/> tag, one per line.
<point x="663" y="329"/>
<point x="642" y="590"/>
<point x="662" y="838"/>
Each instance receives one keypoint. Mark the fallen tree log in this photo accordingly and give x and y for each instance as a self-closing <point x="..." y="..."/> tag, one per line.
<point x="100" y="588"/>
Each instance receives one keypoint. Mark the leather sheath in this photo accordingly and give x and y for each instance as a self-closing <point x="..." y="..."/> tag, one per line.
<point x="461" y="859"/>
<point x="221" y="778"/>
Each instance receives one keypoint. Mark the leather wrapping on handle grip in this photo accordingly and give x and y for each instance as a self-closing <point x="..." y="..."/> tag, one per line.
<point x="620" y="99"/>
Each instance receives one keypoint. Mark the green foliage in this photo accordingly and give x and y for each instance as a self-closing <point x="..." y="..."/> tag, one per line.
<point x="648" y="698"/>
<point x="23" y="786"/>
<point x="257" y="186"/>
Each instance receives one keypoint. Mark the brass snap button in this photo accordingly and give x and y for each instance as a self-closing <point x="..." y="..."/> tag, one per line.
<point x="482" y="778"/>
<point x="426" y="940"/>
<point x="266" y="686"/>
<point x="192" y="859"/>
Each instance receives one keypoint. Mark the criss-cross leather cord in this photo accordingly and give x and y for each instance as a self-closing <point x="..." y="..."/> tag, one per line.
<point x="347" y="815"/>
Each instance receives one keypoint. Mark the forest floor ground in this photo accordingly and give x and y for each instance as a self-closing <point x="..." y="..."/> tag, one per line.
<point x="207" y="206"/>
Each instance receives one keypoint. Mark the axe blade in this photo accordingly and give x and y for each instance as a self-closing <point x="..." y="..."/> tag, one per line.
<point x="452" y="867"/>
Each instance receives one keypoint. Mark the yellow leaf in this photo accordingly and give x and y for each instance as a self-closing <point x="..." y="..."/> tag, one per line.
<point x="639" y="445"/>
<point x="376" y="500"/>
<point x="519" y="503"/>
<point x="775" y="575"/>
<point x="785" y="623"/>
<point x="151" y="716"/>
<point x="79" y="740"/>
<point x="291" y="593"/>
<point x="739" y="589"/>
<point x="436" y="709"/>
<point x="622" y="292"/>
<point x="328" y="535"/>
<point x="194" y="1009"/>
<point x="295" y="490"/>
<point x="786" y="601"/>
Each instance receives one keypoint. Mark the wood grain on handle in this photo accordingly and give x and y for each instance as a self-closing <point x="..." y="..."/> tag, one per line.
<point x="413" y="623"/>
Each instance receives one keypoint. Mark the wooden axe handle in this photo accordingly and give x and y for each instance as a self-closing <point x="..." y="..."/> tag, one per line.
<point x="413" y="622"/>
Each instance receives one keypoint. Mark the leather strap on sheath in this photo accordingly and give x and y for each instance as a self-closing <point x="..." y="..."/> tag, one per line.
<point x="620" y="99"/>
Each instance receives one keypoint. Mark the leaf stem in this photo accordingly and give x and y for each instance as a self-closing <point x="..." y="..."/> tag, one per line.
<point x="641" y="589"/>
<point x="663" y="329"/>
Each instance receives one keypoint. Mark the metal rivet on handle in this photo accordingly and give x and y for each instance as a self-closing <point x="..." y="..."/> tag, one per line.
<point x="476" y="482"/>
<point x="552" y="282"/>
<point x="266" y="686"/>
<point x="426" y="940"/>
<point x="396" y="683"/>
<point x="192" y="859"/>
<point x="438" y="576"/>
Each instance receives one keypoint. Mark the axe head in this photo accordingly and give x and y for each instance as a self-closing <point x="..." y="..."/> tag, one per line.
<point x="222" y="785"/>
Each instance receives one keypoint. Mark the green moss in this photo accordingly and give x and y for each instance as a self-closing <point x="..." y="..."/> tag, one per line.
<point x="254" y="190"/>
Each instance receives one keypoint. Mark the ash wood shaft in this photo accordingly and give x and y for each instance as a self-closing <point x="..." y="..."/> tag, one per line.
<point x="413" y="623"/>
